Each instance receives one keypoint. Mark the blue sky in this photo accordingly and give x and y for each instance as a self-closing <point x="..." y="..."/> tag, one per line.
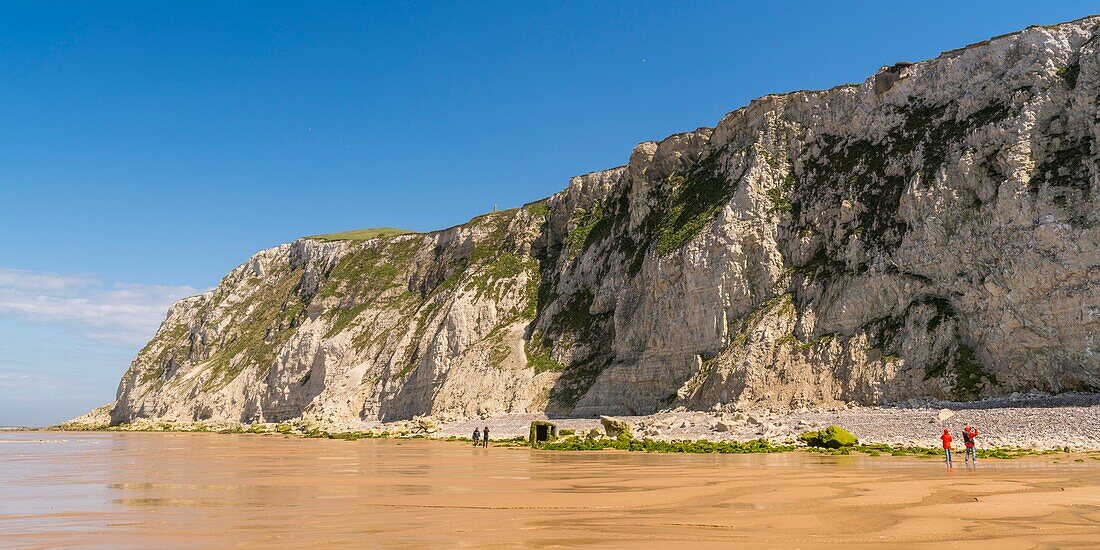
<point x="148" y="148"/>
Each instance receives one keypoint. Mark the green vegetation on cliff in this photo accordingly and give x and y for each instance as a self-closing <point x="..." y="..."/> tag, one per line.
<point x="695" y="200"/>
<point x="171" y="343"/>
<point x="778" y="195"/>
<point x="262" y="322"/>
<point x="589" y="226"/>
<point x="538" y="355"/>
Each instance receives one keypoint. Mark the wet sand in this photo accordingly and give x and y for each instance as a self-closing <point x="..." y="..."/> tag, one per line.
<point x="210" y="490"/>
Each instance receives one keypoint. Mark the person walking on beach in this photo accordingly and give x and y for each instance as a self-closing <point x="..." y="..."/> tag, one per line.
<point x="946" y="438"/>
<point x="969" y="434"/>
<point x="477" y="437"/>
<point x="485" y="439"/>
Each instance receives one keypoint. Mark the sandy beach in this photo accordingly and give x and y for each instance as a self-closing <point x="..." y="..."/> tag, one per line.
<point x="65" y="489"/>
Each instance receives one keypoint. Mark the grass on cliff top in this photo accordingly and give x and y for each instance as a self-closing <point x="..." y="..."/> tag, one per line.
<point x="361" y="234"/>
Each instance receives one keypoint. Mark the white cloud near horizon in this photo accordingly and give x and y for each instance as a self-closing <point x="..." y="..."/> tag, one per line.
<point x="121" y="313"/>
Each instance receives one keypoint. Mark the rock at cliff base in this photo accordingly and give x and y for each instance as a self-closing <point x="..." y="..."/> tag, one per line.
<point x="615" y="426"/>
<point x="425" y="425"/>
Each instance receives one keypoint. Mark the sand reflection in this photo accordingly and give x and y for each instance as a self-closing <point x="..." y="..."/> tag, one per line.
<point x="142" y="490"/>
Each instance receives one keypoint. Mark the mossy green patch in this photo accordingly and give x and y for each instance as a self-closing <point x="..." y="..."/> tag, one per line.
<point x="778" y="195"/>
<point x="366" y="277"/>
<point x="261" y="323"/>
<point x="1069" y="73"/>
<point x="792" y="340"/>
<point x="363" y="272"/>
<point x="575" y="322"/>
<point x="540" y="209"/>
<point x="884" y="333"/>
<point x="832" y="437"/>
<point x="499" y="275"/>
<point x="344" y="318"/>
<point x="538" y="355"/>
<point x="652" y="446"/>
<point x="498" y="348"/>
<point x="781" y="306"/>
<point x="589" y="226"/>
<point x="695" y="201"/>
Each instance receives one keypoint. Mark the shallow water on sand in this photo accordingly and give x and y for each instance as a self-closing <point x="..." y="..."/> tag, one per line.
<point x="210" y="490"/>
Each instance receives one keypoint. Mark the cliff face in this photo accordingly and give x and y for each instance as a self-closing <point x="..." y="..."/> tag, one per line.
<point x="929" y="232"/>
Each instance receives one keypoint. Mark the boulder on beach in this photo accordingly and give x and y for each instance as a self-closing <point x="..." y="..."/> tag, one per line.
<point x="945" y="414"/>
<point x="425" y="425"/>
<point x="616" y="426"/>
<point x="833" y="437"/>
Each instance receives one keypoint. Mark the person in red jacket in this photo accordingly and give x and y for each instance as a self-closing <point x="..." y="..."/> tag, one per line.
<point x="946" y="438"/>
<point x="969" y="434"/>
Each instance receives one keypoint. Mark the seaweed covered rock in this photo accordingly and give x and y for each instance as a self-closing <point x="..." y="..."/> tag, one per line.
<point x="833" y="437"/>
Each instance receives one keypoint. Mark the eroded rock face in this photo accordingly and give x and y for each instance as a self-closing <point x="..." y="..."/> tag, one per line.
<point x="930" y="232"/>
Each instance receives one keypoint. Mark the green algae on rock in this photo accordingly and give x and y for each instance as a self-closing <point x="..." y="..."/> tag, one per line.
<point x="832" y="437"/>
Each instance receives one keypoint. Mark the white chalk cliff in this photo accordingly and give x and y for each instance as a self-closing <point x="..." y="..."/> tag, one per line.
<point x="929" y="232"/>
